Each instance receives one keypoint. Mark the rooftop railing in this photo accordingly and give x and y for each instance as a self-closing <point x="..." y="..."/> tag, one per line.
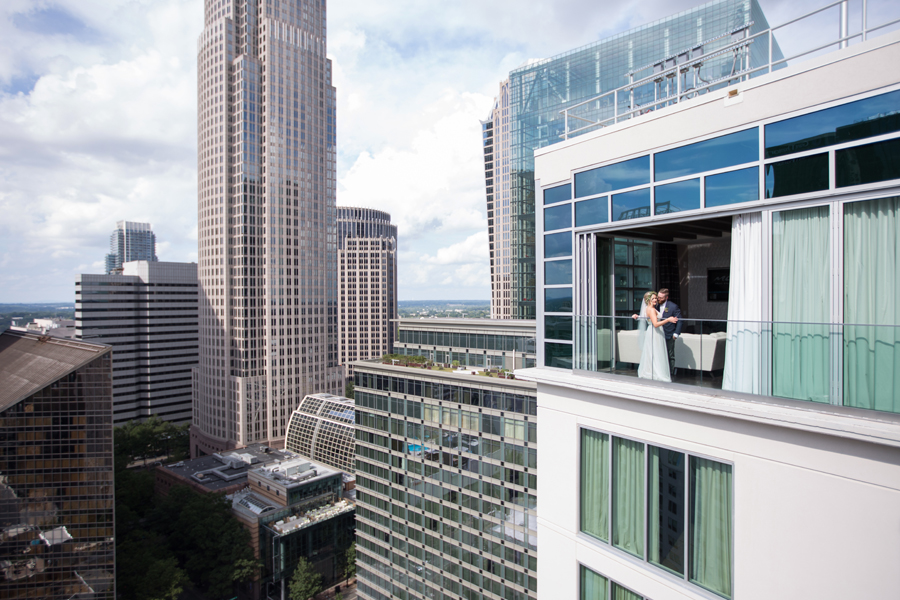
<point x="680" y="76"/>
<point x="856" y="365"/>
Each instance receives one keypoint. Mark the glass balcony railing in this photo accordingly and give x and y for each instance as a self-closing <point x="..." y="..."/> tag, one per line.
<point x="830" y="363"/>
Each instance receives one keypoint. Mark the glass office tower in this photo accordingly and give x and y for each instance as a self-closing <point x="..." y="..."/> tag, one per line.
<point x="539" y="90"/>
<point x="128" y="242"/>
<point x="266" y="211"/>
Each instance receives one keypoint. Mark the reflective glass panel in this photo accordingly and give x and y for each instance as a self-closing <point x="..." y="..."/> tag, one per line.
<point x="621" y="254"/>
<point x="558" y="217"/>
<point x="797" y="176"/>
<point x="558" y="328"/>
<point x="625" y="174"/>
<point x="558" y="355"/>
<point x="558" y="272"/>
<point x="666" y="505"/>
<point x="558" y="300"/>
<point x="557" y="244"/>
<point x="589" y="212"/>
<point x="631" y="205"/>
<point x="732" y="187"/>
<point x="643" y="254"/>
<point x="622" y="276"/>
<point x="559" y="193"/>
<point x="642" y="278"/>
<point x="868" y="164"/>
<point x="852" y="121"/>
<point x="676" y="197"/>
<point x="718" y="153"/>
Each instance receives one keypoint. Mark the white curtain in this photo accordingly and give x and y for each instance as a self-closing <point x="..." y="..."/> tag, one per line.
<point x="742" y="348"/>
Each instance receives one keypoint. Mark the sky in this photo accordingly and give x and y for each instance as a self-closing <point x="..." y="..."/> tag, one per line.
<point x="98" y="123"/>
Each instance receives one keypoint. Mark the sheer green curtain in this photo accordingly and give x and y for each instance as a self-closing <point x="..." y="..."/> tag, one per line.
<point x="801" y="276"/>
<point x="871" y="300"/>
<point x="595" y="483"/>
<point x="621" y="593"/>
<point x="593" y="585"/>
<point x="711" y="532"/>
<point x="628" y="496"/>
<point x="665" y="518"/>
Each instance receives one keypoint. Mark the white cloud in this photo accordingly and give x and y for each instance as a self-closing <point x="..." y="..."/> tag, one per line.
<point x="98" y="123"/>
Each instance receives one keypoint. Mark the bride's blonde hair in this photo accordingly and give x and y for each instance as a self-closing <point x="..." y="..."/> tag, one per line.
<point x="648" y="296"/>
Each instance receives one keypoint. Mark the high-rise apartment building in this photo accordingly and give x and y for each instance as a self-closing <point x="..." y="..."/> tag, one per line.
<point x="266" y="210"/>
<point x="770" y="209"/>
<point x="129" y="242"/>
<point x="148" y="314"/>
<point x="56" y="469"/>
<point x="445" y="484"/>
<point x="528" y="115"/>
<point x="367" y="258"/>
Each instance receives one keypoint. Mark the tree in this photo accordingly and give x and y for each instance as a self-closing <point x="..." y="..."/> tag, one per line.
<point x="306" y="582"/>
<point x="348" y="390"/>
<point x="350" y="562"/>
<point x="209" y="543"/>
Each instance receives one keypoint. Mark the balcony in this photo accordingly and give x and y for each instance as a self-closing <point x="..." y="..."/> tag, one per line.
<point x="854" y="365"/>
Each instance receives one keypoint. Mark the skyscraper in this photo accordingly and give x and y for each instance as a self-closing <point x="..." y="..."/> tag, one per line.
<point x="266" y="165"/>
<point x="528" y="115"/>
<point x="148" y="314"/>
<point x="130" y="241"/>
<point x="367" y="255"/>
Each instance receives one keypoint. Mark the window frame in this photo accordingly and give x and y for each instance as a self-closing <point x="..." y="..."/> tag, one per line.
<point x="644" y="560"/>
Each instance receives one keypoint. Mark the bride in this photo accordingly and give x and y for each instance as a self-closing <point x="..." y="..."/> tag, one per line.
<point x="654" y="358"/>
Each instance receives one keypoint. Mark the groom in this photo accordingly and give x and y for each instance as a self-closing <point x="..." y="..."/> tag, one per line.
<point x="672" y="330"/>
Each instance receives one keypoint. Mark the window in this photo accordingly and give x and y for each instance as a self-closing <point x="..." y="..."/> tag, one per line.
<point x="557" y="244"/>
<point x="676" y="197"/>
<point x="732" y="187"/>
<point x="869" y="163"/>
<point x="591" y="212"/>
<point x="625" y="174"/>
<point x="558" y="217"/>
<point x="558" y="272"/>
<point x="594" y="586"/>
<point x="709" y="155"/>
<point x="559" y="193"/>
<point x="685" y="501"/>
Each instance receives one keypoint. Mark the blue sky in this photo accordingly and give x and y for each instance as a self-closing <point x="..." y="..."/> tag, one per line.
<point x="98" y="124"/>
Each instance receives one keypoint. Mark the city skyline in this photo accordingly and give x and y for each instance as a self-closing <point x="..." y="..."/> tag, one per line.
<point x="109" y="92"/>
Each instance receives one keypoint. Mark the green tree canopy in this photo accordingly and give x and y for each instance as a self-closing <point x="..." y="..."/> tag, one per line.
<point x="306" y="582"/>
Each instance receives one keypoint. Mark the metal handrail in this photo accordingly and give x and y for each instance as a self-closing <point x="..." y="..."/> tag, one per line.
<point x="678" y="69"/>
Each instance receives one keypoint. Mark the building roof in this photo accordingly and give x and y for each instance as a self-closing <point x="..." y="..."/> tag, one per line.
<point x="464" y="376"/>
<point x="521" y="326"/>
<point x="225" y="469"/>
<point x="30" y="362"/>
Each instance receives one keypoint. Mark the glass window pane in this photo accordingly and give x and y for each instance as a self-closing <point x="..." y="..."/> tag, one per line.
<point x="625" y="174"/>
<point x="710" y="529"/>
<point x="676" y="197"/>
<point x="557" y="272"/>
<point x="643" y="254"/>
<point x="558" y="328"/>
<point x="732" y="187"/>
<point x="868" y="164"/>
<point x="558" y="355"/>
<point x="590" y="212"/>
<point x="845" y="123"/>
<point x="558" y="244"/>
<point x="718" y="153"/>
<point x="595" y="484"/>
<point x="666" y="505"/>
<point x="560" y="193"/>
<point x="621" y="254"/>
<point x="872" y="336"/>
<point x="558" y="217"/>
<point x="622" y="276"/>
<point x="593" y="585"/>
<point x="797" y="176"/>
<point x="558" y="299"/>
<point x="631" y="205"/>
<point x="628" y="496"/>
<point x="623" y="593"/>
<point x="621" y="300"/>
<point x="643" y="278"/>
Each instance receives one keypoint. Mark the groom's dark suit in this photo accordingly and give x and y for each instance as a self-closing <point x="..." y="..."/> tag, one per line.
<point x="670" y="310"/>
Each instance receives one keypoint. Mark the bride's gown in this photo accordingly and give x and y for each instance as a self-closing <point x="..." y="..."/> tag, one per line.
<point x="654" y="357"/>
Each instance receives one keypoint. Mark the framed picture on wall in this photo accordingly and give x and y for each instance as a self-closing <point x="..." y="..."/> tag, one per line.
<point x="717" y="282"/>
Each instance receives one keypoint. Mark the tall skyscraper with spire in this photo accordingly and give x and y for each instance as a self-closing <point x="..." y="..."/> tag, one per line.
<point x="266" y="211"/>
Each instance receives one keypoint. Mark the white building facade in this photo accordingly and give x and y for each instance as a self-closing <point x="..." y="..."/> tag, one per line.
<point x="266" y="214"/>
<point x="765" y="461"/>
<point x="148" y="314"/>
